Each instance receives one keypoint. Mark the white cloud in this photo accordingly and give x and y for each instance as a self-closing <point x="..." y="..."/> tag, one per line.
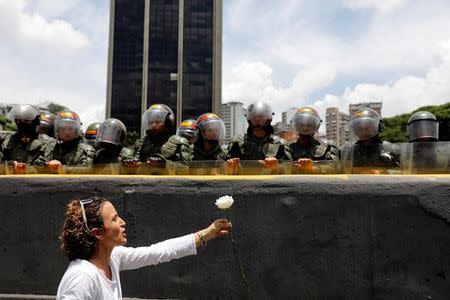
<point x="404" y="95"/>
<point x="32" y="32"/>
<point x="382" y="6"/>
<point x="251" y="81"/>
<point x="45" y="58"/>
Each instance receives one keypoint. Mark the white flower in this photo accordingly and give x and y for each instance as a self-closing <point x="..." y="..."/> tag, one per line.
<point x="224" y="202"/>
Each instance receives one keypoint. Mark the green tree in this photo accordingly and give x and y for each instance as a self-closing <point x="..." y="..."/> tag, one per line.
<point x="131" y="138"/>
<point x="395" y="127"/>
<point x="7" y="125"/>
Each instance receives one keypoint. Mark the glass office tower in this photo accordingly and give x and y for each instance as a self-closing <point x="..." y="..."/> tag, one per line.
<point x="164" y="51"/>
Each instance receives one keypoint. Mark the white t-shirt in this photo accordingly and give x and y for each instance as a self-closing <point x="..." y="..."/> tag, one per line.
<point x="83" y="280"/>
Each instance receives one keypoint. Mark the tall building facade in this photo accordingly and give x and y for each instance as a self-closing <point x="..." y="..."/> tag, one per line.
<point x="288" y="115"/>
<point x="164" y="51"/>
<point x="337" y="126"/>
<point x="233" y="115"/>
<point x="376" y="106"/>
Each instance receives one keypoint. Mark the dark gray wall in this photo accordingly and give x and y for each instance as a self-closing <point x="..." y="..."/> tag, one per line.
<point x="310" y="237"/>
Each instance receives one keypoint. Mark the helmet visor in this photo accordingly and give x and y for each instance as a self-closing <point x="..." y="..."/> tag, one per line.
<point x="24" y="113"/>
<point x="305" y="124"/>
<point x="259" y="111"/>
<point x="67" y="129"/>
<point x="365" y="128"/>
<point x="153" y="117"/>
<point x="424" y="129"/>
<point x="213" y="130"/>
<point x="188" y="133"/>
<point x="110" y="134"/>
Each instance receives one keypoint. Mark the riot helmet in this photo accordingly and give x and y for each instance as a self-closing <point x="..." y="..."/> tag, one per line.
<point x="259" y="114"/>
<point x="306" y="121"/>
<point x="157" y="115"/>
<point x="67" y="126"/>
<point x="26" y="117"/>
<point x="111" y="131"/>
<point x="366" y="123"/>
<point x="46" y="124"/>
<point x="91" y="133"/>
<point x="211" y="127"/>
<point x="423" y="126"/>
<point x="188" y="130"/>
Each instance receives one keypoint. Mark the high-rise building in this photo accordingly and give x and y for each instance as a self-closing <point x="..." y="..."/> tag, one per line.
<point x="376" y="106"/>
<point x="286" y="116"/>
<point x="233" y="115"/>
<point x="164" y="51"/>
<point x="337" y="126"/>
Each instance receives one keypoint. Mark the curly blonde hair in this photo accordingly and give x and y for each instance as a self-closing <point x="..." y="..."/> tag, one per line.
<point x="76" y="238"/>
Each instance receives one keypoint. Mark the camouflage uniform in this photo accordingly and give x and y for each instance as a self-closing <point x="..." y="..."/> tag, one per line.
<point x="314" y="150"/>
<point x="249" y="147"/>
<point x="74" y="153"/>
<point x="176" y="149"/>
<point x="216" y="154"/>
<point x="104" y="156"/>
<point x="44" y="138"/>
<point x="150" y="147"/>
<point x="14" y="150"/>
<point x="374" y="153"/>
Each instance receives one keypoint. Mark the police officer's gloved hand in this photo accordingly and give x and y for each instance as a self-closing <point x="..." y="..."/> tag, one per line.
<point x="20" y="168"/>
<point x="131" y="163"/>
<point x="54" y="165"/>
<point x="270" y="163"/>
<point x="305" y="164"/>
<point x="232" y="164"/>
<point x="156" y="162"/>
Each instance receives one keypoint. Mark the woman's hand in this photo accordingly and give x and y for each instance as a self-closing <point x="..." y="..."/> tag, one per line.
<point x="219" y="227"/>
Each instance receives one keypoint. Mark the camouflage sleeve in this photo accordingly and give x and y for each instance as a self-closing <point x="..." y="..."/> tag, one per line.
<point x="87" y="154"/>
<point x="284" y="152"/>
<point x="126" y="154"/>
<point x="137" y="149"/>
<point x="176" y="149"/>
<point x="45" y="153"/>
<point x="234" y="147"/>
<point x="334" y="152"/>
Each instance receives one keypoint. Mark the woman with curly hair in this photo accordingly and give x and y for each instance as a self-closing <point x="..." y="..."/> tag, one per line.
<point x="92" y="238"/>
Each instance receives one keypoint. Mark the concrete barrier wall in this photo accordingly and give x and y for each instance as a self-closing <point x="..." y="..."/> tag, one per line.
<point x="310" y="237"/>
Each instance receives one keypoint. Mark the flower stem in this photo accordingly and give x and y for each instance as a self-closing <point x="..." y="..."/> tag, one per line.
<point x="236" y="255"/>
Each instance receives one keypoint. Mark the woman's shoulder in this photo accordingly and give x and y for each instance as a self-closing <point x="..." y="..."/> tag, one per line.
<point x="81" y="268"/>
<point x="79" y="278"/>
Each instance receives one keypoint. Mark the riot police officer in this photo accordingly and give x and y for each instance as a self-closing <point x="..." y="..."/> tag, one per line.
<point x="158" y="123"/>
<point x="180" y="146"/>
<point x="370" y="153"/>
<point x="69" y="148"/>
<point x="46" y="130"/>
<point x="259" y="142"/>
<point x="211" y="130"/>
<point x="423" y="127"/>
<point x="425" y="154"/>
<point x="307" y="148"/>
<point x="91" y="133"/>
<point x="110" y="136"/>
<point x="22" y="147"/>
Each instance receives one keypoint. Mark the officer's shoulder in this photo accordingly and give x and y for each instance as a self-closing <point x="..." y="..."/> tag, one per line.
<point x="391" y="147"/>
<point x="36" y="144"/>
<point x="178" y="140"/>
<point x="238" y="138"/>
<point x="329" y="143"/>
<point x="276" y="139"/>
<point x="86" y="147"/>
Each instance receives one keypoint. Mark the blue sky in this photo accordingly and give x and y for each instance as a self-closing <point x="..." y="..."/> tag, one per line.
<point x="292" y="53"/>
